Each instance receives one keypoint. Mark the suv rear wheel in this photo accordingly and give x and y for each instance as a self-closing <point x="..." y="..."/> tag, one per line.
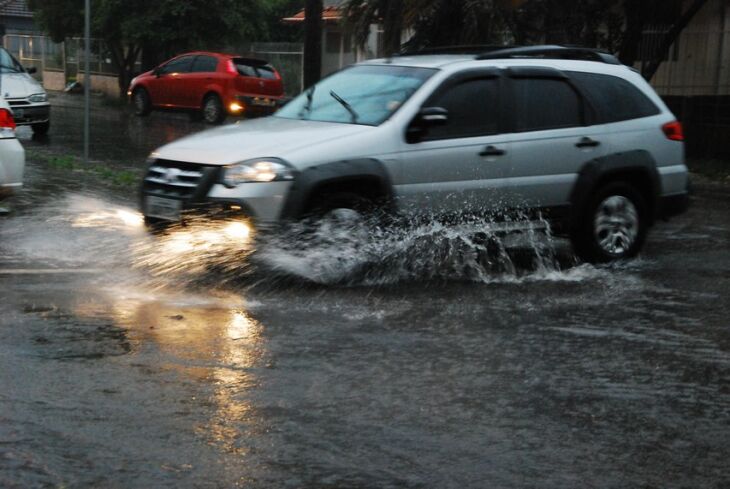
<point x="614" y="226"/>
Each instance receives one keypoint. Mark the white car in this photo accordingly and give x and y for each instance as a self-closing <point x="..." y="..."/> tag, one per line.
<point x="12" y="154"/>
<point x="26" y="97"/>
<point x="564" y="134"/>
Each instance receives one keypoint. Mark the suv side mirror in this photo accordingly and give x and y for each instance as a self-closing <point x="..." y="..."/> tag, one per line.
<point x="31" y="70"/>
<point x="427" y="117"/>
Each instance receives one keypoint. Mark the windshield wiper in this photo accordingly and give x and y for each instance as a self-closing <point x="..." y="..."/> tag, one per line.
<point x="345" y="104"/>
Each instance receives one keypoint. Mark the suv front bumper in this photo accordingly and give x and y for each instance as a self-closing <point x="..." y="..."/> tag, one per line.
<point x="196" y="189"/>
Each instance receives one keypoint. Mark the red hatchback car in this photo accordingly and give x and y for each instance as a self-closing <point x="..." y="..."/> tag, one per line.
<point x="214" y="84"/>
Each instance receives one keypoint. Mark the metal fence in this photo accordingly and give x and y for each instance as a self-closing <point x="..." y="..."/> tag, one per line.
<point x="68" y="56"/>
<point x="287" y="58"/>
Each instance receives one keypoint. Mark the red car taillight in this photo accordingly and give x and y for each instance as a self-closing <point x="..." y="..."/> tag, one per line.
<point x="673" y="130"/>
<point x="6" y="119"/>
<point x="231" y="67"/>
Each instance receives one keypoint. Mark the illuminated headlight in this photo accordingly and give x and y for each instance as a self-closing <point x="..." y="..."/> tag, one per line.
<point x="259" y="170"/>
<point x="38" y="97"/>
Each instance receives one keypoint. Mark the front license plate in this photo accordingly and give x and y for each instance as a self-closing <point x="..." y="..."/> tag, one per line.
<point x="161" y="208"/>
<point x="263" y="102"/>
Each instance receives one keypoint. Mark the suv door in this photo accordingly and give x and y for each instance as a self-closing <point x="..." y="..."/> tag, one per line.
<point x="552" y="137"/>
<point x="462" y="165"/>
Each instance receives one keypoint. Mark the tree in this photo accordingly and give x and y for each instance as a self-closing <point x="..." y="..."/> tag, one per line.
<point x="162" y="28"/>
<point x="312" y="41"/>
<point x="617" y="26"/>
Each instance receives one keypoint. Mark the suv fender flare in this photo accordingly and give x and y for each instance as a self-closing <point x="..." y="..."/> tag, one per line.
<point x="310" y="179"/>
<point x="616" y="166"/>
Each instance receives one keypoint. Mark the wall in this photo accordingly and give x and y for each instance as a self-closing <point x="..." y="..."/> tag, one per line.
<point x="102" y="83"/>
<point x="702" y="65"/>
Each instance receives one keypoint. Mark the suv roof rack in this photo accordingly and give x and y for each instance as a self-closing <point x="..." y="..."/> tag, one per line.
<point x="470" y="49"/>
<point x="552" y="51"/>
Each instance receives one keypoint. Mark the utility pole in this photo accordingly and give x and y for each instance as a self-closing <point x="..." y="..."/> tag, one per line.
<point x="87" y="78"/>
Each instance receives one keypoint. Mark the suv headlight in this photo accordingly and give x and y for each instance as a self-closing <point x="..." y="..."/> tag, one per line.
<point x="38" y="97"/>
<point x="258" y="170"/>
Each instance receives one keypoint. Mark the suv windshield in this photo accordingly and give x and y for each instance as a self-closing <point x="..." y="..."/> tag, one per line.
<point x="374" y="93"/>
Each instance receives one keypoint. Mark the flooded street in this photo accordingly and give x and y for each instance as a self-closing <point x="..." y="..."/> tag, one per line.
<point x="212" y="358"/>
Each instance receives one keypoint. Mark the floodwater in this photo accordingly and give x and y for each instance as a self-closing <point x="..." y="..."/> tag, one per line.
<point x="413" y="357"/>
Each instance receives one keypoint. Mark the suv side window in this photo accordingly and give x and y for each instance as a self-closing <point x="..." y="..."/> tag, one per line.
<point x="544" y="103"/>
<point x="613" y="98"/>
<point x="473" y="107"/>
<point x="204" y="64"/>
<point x="179" y="65"/>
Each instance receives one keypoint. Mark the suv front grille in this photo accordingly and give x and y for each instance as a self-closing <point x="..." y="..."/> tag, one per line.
<point x="180" y="180"/>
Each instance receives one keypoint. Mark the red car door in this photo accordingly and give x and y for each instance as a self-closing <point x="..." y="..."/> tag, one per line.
<point x="175" y="80"/>
<point x="201" y="77"/>
<point x="164" y="84"/>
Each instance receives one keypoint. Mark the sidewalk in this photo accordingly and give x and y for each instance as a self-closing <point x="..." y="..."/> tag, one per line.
<point x="76" y="101"/>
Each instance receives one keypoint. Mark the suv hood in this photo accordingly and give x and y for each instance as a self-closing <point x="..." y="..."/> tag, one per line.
<point x="257" y="138"/>
<point x="19" y="85"/>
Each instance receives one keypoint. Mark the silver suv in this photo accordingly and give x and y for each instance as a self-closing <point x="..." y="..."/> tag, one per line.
<point x="567" y="134"/>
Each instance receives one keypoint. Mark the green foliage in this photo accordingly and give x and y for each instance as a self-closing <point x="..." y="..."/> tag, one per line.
<point x="70" y="163"/>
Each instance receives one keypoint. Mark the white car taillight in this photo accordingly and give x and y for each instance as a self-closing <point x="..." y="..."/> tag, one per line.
<point x="7" y="124"/>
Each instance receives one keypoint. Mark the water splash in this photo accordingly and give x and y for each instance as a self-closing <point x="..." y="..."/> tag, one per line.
<point x="88" y="231"/>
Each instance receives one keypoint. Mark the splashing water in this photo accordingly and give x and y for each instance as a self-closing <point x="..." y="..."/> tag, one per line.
<point x="88" y="231"/>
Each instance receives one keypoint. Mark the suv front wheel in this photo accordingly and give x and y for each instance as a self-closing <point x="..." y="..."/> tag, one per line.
<point x="614" y="226"/>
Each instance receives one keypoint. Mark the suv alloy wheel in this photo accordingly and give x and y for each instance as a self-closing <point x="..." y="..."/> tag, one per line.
<point x="614" y="226"/>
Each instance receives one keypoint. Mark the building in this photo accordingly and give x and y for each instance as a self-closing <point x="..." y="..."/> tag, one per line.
<point x="17" y="18"/>
<point x="698" y="63"/>
<point x="338" y="46"/>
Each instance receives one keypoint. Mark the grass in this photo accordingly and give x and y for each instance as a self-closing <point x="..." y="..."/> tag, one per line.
<point x="117" y="177"/>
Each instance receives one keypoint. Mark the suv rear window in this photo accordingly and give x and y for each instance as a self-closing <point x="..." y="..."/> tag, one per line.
<point x="613" y="98"/>
<point x="544" y="103"/>
<point x="255" y="68"/>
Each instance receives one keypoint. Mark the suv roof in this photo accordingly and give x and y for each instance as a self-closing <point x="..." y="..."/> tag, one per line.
<point x="438" y="57"/>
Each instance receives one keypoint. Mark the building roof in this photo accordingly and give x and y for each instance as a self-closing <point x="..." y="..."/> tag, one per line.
<point x="15" y="8"/>
<point x="330" y="13"/>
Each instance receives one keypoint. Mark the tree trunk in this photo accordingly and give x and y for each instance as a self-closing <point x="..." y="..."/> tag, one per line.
<point x="392" y="27"/>
<point x="636" y="12"/>
<point x="652" y="66"/>
<point x="312" y="42"/>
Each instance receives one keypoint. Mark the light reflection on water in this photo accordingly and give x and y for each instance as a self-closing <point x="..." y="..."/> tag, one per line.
<point x="211" y="340"/>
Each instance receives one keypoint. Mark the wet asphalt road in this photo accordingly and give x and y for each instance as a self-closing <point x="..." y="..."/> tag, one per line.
<point x="126" y="362"/>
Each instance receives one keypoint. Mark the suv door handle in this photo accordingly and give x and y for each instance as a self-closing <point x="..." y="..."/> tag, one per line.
<point x="587" y="143"/>
<point x="492" y="151"/>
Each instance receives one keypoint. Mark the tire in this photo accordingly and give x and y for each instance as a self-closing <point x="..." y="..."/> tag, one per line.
<point x="334" y="204"/>
<point x="212" y="109"/>
<point x="141" y="102"/>
<point x="41" y="129"/>
<point x="614" y="226"/>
